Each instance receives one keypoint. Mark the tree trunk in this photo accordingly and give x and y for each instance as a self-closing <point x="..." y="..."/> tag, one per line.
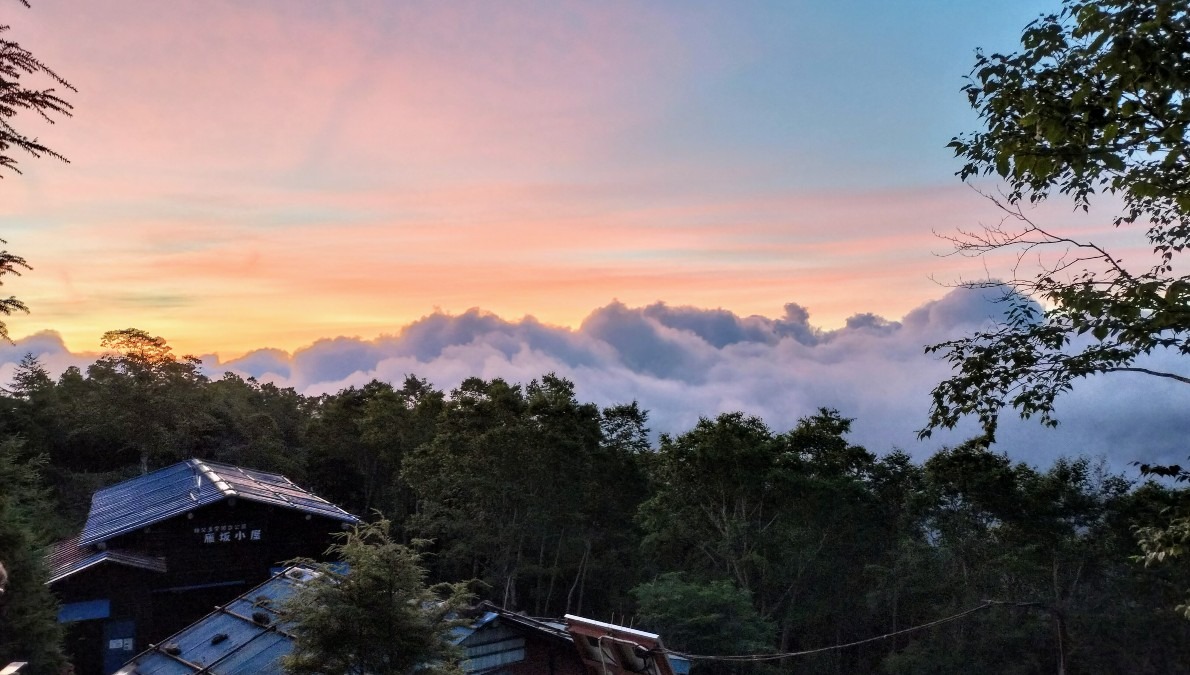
<point x="582" y="570"/>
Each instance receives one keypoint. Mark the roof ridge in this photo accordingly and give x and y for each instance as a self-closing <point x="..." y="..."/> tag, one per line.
<point x="216" y="480"/>
<point x="268" y="488"/>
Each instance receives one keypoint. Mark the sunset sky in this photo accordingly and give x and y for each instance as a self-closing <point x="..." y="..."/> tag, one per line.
<point x="704" y="205"/>
<point x="265" y="174"/>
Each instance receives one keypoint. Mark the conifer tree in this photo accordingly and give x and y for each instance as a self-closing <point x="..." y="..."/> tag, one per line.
<point x="29" y="630"/>
<point x="373" y="613"/>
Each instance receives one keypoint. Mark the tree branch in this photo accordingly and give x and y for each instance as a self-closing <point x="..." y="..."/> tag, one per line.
<point x="1146" y="371"/>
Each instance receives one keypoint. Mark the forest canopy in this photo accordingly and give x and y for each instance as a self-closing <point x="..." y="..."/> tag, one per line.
<point x="732" y="537"/>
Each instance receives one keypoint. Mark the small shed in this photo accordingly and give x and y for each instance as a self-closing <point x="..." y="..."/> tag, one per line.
<point x="159" y="551"/>
<point x="507" y="643"/>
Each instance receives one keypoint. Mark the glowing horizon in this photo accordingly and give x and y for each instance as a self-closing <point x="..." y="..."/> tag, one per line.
<point x="268" y="175"/>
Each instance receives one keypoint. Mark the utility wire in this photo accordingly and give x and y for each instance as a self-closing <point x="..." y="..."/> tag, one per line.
<point x="740" y="658"/>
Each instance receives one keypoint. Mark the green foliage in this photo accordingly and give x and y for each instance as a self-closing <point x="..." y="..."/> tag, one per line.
<point x="789" y="519"/>
<point x="1094" y="103"/>
<point x="145" y="399"/>
<point x="378" y="617"/>
<point x="482" y="487"/>
<point x="713" y="617"/>
<point x="29" y="630"/>
<point x="1165" y="540"/>
<point x="139" y="404"/>
<point x="358" y="439"/>
<point x="140" y="407"/>
<point x="253" y="424"/>
<point x="1056" y="542"/>
<point x="613" y="488"/>
<point x="9" y="263"/>
<point x="523" y="490"/>
<point x="15" y="63"/>
<point x="736" y="538"/>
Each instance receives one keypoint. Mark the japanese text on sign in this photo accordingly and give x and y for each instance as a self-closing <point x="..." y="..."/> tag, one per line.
<point x="224" y="534"/>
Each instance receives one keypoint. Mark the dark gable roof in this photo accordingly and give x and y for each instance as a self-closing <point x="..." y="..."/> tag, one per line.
<point x="165" y="493"/>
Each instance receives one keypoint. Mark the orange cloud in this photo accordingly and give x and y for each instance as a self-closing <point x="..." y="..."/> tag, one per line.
<point x="266" y="174"/>
<point x="231" y="285"/>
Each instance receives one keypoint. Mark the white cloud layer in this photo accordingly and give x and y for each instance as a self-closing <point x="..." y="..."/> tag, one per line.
<point x="681" y="363"/>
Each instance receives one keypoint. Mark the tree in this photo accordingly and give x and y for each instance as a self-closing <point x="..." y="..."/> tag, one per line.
<point x="789" y="519"/>
<point x="613" y="487"/>
<point x="1055" y="545"/>
<point x="704" y="618"/>
<point x="502" y="488"/>
<point x="377" y="616"/>
<point x="255" y="425"/>
<point x="1094" y="103"/>
<point x="10" y="264"/>
<point x="144" y="402"/>
<point x="358" y="439"/>
<point x="1168" y="540"/>
<point x="17" y="62"/>
<point x="29" y="630"/>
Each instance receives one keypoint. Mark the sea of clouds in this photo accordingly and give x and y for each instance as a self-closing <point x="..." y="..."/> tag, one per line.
<point x="682" y="363"/>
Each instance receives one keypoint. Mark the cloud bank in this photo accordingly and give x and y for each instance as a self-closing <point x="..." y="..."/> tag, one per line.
<point x="682" y="363"/>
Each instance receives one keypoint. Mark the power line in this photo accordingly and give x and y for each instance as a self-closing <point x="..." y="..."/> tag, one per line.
<point x="741" y="658"/>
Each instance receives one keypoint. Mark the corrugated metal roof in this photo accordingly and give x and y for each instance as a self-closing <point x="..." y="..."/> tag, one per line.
<point x="619" y="650"/>
<point x="243" y="636"/>
<point x="165" y="493"/>
<point x="246" y="636"/>
<point x="68" y="557"/>
<point x="460" y="633"/>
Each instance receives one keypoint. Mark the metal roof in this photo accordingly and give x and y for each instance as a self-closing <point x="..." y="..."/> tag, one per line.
<point x="247" y="636"/>
<point x="67" y="558"/>
<point x="244" y="636"/>
<point x="619" y="650"/>
<point x="488" y="646"/>
<point x="165" y="493"/>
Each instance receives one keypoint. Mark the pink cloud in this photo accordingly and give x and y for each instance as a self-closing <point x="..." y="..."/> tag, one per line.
<point x="365" y="262"/>
<point x="273" y="173"/>
<point x="285" y="91"/>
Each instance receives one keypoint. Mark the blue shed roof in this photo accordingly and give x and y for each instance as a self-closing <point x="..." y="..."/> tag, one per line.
<point x="165" y="493"/>
<point x="244" y="636"/>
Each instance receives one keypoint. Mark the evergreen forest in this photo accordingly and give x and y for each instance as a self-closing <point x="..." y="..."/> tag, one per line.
<point x="729" y="538"/>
